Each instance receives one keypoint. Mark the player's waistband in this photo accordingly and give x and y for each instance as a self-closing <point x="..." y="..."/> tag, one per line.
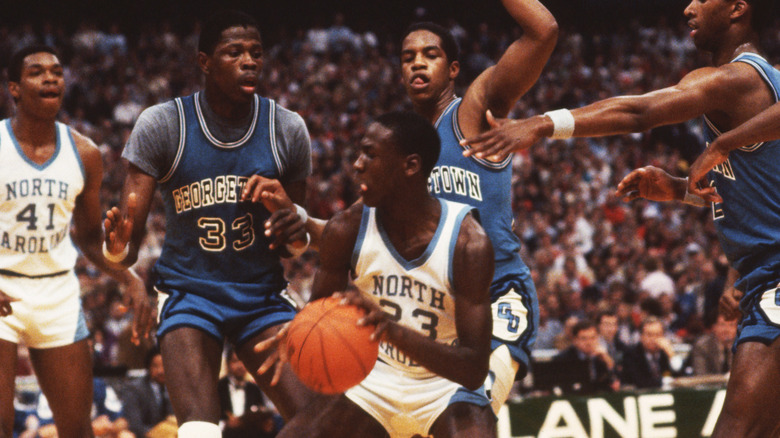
<point x="8" y="273"/>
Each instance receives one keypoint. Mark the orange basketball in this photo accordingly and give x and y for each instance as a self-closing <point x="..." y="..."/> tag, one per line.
<point x="326" y="348"/>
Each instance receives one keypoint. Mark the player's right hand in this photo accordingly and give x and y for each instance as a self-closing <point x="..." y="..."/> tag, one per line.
<point x="118" y="228"/>
<point x="268" y="191"/>
<point x="277" y="356"/>
<point x="5" y="304"/>
<point x="648" y="182"/>
<point x="504" y="137"/>
<point x="728" y="306"/>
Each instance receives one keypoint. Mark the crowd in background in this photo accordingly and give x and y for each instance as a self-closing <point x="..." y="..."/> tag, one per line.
<point x="588" y="251"/>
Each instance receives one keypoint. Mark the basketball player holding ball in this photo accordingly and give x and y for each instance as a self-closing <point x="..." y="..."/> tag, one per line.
<point x="422" y="270"/>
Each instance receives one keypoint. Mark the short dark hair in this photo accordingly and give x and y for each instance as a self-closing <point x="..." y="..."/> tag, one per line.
<point x="582" y="325"/>
<point x="17" y="59"/>
<point x="212" y="29"/>
<point x="448" y="42"/>
<point x="605" y="313"/>
<point x="413" y="134"/>
<point x="150" y="355"/>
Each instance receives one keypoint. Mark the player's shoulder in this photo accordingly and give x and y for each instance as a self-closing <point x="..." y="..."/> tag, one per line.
<point x="472" y="238"/>
<point x="347" y="220"/>
<point x="157" y="112"/>
<point x="288" y="118"/>
<point x="86" y="147"/>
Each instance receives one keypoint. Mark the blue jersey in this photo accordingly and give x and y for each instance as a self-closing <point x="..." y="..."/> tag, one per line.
<point x="482" y="184"/>
<point x="215" y="246"/>
<point x="748" y="219"/>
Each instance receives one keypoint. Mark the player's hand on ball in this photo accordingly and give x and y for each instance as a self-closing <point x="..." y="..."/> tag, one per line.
<point x="374" y="314"/>
<point x="277" y="353"/>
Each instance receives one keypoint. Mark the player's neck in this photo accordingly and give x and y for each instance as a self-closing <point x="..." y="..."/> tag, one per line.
<point x="224" y="108"/>
<point x="731" y="50"/>
<point x="432" y="109"/>
<point x="411" y="224"/>
<point x="33" y="132"/>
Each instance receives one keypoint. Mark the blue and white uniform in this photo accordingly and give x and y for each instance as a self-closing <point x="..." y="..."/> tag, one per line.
<point x="37" y="255"/>
<point x="403" y="396"/>
<point x="486" y="186"/>
<point x="748" y="219"/>
<point x="216" y="271"/>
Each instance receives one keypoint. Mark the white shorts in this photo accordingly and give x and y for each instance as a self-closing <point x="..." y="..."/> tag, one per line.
<point x="406" y="405"/>
<point x="48" y="313"/>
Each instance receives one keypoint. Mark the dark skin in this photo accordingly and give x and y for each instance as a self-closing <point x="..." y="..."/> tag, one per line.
<point x="755" y="373"/>
<point x="429" y="77"/>
<point x="393" y="183"/>
<point x="232" y="72"/>
<point x="728" y="93"/>
<point x="64" y="373"/>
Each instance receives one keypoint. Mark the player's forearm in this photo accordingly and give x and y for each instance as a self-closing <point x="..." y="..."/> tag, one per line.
<point x="461" y="364"/>
<point x="537" y="22"/>
<point x="763" y="127"/>
<point x="315" y="227"/>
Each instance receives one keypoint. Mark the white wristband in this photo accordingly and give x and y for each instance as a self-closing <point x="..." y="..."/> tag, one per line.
<point x="116" y="258"/>
<point x="302" y="213"/>
<point x="563" y="123"/>
<point x="296" y="251"/>
<point x="692" y="199"/>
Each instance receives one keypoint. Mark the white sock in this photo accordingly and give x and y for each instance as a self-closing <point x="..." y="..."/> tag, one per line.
<point x="199" y="429"/>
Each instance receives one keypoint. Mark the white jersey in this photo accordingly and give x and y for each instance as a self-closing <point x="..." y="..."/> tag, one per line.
<point x="418" y="293"/>
<point x="36" y="206"/>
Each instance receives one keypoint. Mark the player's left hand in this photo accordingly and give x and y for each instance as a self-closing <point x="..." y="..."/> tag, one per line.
<point x="277" y="353"/>
<point x="119" y="228"/>
<point x="711" y="157"/>
<point x="504" y="137"/>
<point x="374" y="314"/>
<point x="286" y="227"/>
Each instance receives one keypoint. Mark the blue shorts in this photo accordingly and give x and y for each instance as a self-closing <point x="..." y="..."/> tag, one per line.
<point x="221" y="320"/>
<point x="515" y="310"/>
<point x="761" y="317"/>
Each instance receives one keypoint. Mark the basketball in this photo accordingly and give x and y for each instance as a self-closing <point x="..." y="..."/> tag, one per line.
<point x="326" y="348"/>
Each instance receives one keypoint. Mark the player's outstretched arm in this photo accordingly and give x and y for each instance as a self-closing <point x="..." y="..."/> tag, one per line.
<point x="701" y="91"/>
<point x="500" y="86"/>
<point x="88" y="236"/>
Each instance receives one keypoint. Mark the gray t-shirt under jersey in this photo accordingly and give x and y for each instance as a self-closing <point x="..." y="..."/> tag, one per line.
<point x="154" y="141"/>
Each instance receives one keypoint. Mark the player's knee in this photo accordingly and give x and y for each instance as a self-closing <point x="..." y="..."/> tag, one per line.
<point x="199" y="429"/>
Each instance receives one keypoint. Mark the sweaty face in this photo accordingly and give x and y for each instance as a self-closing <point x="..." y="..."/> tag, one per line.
<point x="708" y="20"/>
<point x="424" y="66"/>
<point x="236" y="63"/>
<point x="41" y="87"/>
<point x="378" y="165"/>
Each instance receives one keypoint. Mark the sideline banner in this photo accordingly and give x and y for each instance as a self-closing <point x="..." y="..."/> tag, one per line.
<point x="676" y="413"/>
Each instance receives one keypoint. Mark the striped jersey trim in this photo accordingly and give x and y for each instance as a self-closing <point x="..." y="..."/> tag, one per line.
<point x="182" y="140"/>
<point x="227" y="145"/>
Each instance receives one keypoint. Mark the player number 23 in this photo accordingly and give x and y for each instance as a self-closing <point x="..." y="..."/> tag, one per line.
<point x="215" y="228"/>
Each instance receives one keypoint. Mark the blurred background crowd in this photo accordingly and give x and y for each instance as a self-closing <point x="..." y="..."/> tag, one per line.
<point x="616" y="281"/>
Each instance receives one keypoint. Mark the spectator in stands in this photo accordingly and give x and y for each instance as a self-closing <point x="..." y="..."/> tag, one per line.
<point x="712" y="352"/>
<point x="588" y="362"/>
<point x="607" y="325"/>
<point x="244" y="412"/>
<point x="146" y="399"/>
<point x="645" y="364"/>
